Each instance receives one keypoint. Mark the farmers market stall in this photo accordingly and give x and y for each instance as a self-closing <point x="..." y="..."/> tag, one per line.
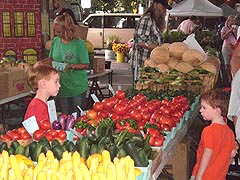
<point x="98" y="137"/>
<point x="195" y="8"/>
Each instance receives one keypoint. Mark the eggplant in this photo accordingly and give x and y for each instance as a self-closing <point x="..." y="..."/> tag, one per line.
<point x="69" y="122"/>
<point x="56" y="125"/>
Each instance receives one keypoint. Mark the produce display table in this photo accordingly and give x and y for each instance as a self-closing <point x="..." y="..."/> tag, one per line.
<point x="169" y="149"/>
<point x="5" y="101"/>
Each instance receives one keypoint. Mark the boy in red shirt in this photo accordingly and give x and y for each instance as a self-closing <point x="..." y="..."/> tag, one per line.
<point x="217" y="145"/>
<point x="44" y="80"/>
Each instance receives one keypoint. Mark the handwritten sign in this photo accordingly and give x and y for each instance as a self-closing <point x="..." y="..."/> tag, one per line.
<point x="31" y="125"/>
<point x="52" y="110"/>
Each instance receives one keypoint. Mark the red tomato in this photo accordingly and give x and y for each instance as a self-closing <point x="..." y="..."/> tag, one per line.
<point x="38" y="134"/>
<point x="45" y="125"/>
<point x="91" y="114"/>
<point x="165" y="127"/>
<point x="52" y="132"/>
<point x="165" y="109"/>
<point x="25" y="136"/>
<point x="62" y="135"/>
<point x="98" y="106"/>
<point x="120" y="109"/>
<point x="152" y="107"/>
<point x="120" y="94"/>
<point x="153" y="132"/>
<point x="146" y="116"/>
<point x="108" y="103"/>
<point x="156" y="140"/>
<point x="115" y="117"/>
<point x="142" y="108"/>
<point x="136" y="115"/>
<point x="5" y="137"/>
<point x="123" y="101"/>
<point x="140" y="125"/>
<point x="13" y="134"/>
<point x="48" y="136"/>
<point x="168" y="120"/>
<point x="21" y="130"/>
<point x="103" y="114"/>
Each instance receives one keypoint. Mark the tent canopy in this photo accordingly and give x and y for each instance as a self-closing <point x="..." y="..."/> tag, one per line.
<point x="195" y="8"/>
<point x="227" y="10"/>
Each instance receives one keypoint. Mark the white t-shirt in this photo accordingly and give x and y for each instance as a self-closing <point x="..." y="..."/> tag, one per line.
<point x="238" y="32"/>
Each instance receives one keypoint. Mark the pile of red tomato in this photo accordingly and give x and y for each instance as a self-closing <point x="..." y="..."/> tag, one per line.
<point x="44" y="130"/>
<point x="165" y="114"/>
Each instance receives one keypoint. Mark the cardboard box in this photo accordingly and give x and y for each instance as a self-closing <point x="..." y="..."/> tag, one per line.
<point x="98" y="65"/>
<point x="13" y="81"/>
<point x="3" y="85"/>
<point x="81" y="32"/>
<point x="178" y="164"/>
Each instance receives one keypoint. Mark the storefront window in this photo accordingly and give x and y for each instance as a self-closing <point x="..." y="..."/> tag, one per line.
<point x="30" y="56"/>
<point x="11" y="54"/>
<point x="31" y="24"/>
<point x="6" y="24"/>
<point x="18" y="24"/>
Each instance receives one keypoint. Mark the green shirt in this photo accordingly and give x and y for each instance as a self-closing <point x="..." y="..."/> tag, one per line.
<point x="73" y="82"/>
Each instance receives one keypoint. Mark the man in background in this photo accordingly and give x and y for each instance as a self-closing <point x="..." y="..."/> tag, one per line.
<point x="188" y="25"/>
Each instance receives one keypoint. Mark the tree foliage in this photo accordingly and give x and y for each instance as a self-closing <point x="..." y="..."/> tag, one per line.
<point x="116" y="5"/>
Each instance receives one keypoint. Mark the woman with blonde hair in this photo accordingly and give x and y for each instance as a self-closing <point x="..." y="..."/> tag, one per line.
<point x="73" y="52"/>
<point x="228" y="35"/>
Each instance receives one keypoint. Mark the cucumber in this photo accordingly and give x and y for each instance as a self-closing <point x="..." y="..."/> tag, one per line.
<point x="131" y="149"/>
<point x="11" y="151"/>
<point x="3" y="146"/>
<point x="100" y="148"/>
<point x="19" y="150"/>
<point x="94" y="149"/>
<point x="26" y="151"/>
<point x="58" y="151"/>
<point x="121" y="152"/>
<point x="37" y="151"/>
<point x="113" y="150"/>
<point x="71" y="147"/>
<point x="55" y="142"/>
<point x="32" y="146"/>
<point x="84" y="148"/>
<point x="14" y="144"/>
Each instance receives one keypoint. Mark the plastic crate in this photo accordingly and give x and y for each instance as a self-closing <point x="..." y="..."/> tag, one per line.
<point x="58" y="65"/>
<point x="146" y="172"/>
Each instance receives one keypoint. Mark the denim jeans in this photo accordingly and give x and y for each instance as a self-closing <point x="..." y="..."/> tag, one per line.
<point x="69" y="105"/>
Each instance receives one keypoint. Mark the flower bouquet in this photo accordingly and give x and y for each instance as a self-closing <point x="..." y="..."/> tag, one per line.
<point x="120" y="47"/>
<point x="111" y="40"/>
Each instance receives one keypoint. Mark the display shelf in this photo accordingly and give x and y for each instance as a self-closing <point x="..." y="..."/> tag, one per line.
<point x="169" y="147"/>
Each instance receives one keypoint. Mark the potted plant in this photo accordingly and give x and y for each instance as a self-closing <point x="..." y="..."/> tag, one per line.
<point x="109" y="54"/>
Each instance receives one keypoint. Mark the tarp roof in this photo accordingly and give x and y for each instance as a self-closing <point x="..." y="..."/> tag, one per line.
<point x="195" y="8"/>
<point x="227" y="10"/>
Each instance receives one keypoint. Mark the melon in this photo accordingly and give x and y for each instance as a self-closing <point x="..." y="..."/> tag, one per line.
<point x="159" y="55"/>
<point x="151" y="63"/>
<point x="193" y="57"/>
<point x="172" y="62"/>
<point x="177" y="49"/>
<point x="163" y="67"/>
<point x="209" y="67"/>
<point x="214" y="60"/>
<point x="165" y="46"/>
<point x="183" y="67"/>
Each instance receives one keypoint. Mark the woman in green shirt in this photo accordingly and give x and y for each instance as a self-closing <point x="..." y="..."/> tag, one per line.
<point x="67" y="49"/>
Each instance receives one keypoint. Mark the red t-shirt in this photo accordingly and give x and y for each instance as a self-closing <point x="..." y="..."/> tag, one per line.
<point x="220" y="139"/>
<point x="37" y="108"/>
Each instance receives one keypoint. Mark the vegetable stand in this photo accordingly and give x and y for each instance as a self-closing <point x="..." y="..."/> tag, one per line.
<point x="167" y="151"/>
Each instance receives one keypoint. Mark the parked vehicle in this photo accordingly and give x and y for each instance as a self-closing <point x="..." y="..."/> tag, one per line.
<point x="103" y="25"/>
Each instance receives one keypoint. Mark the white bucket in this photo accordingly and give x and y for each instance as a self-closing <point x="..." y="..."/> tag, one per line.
<point x="109" y="54"/>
